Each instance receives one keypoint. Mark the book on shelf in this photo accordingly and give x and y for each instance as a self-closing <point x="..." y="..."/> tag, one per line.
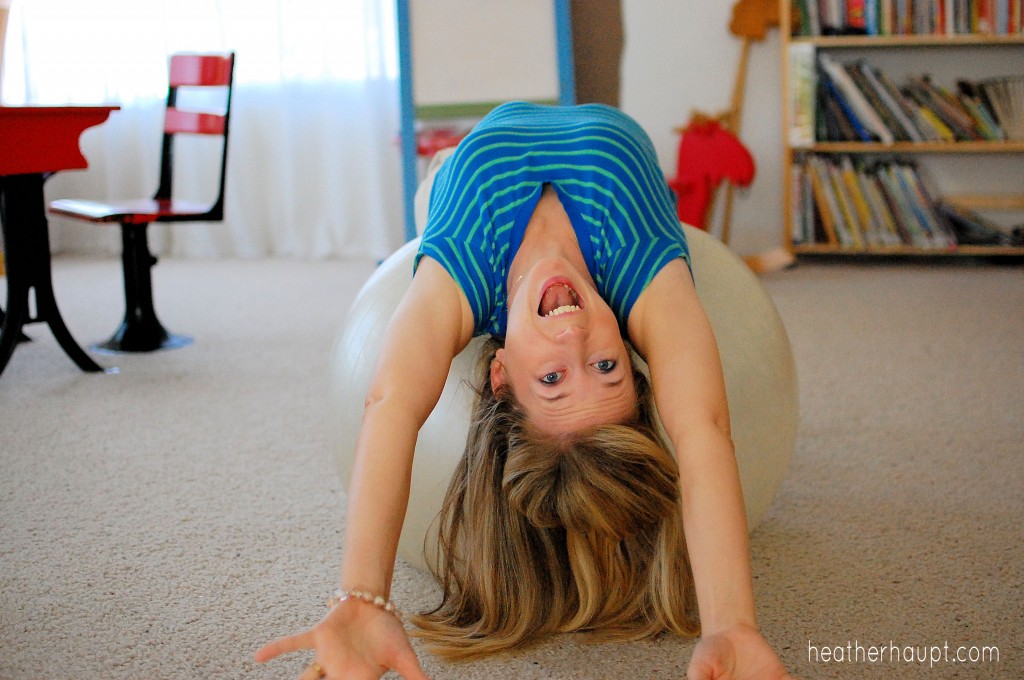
<point x="826" y="118"/>
<point x="887" y="113"/>
<point x="1002" y="17"/>
<point x="867" y="228"/>
<point x="801" y="207"/>
<point x="939" y="232"/>
<point x="932" y="121"/>
<point x="824" y="204"/>
<point x="871" y="17"/>
<point x="856" y="19"/>
<point x="892" y="102"/>
<point x="803" y="84"/>
<point x="849" y="225"/>
<point x="833" y="16"/>
<point x="971" y="228"/>
<point x="1006" y="98"/>
<point x="974" y="103"/>
<point x="885" y="14"/>
<point x="912" y="118"/>
<point x="906" y="211"/>
<point x="856" y="205"/>
<point x="936" y="98"/>
<point x="808" y="22"/>
<point x="856" y="99"/>
<point x="888" y="232"/>
<point x="985" y="21"/>
<point x="876" y="229"/>
<point x="844" y="118"/>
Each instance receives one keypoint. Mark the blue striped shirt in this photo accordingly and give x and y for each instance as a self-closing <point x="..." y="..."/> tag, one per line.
<point x="605" y="171"/>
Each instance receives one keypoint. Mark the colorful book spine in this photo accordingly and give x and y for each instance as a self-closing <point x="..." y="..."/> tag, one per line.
<point x="872" y="24"/>
<point x="850" y="233"/>
<point x="891" y="97"/>
<point x="848" y="112"/>
<point x="856" y="99"/>
<point x="917" y="235"/>
<point x="939" y="232"/>
<point x="856" y="20"/>
<point x="1002" y="17"/>
<point x="944" y="132"/>
<point x="802" y="88"/>
<point x="887" y="116"/>
<point x="885" y="17"/>
<point x="813" y="19"/>
<point x="827" y="209"/>
<point x="889" y="233"/>
<point x="798" y="215"/>
<point x="949" y="17"/>
<point x="985" y="17"/>
<point x="868" y="228"/>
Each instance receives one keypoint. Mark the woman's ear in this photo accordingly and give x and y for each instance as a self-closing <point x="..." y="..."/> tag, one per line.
<point x="498" y="377"/>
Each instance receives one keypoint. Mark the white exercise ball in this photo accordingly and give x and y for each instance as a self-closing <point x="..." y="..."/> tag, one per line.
<point x="757" y="360"/>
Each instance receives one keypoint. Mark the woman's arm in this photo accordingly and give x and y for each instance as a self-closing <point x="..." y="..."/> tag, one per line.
<point x="669" y="328"/>
<point x="432" y="324"/>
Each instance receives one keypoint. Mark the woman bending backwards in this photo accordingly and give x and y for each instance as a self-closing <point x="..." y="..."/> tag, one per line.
<point x="552" y="230"/>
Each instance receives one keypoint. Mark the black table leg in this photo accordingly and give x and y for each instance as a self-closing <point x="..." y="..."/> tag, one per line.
<point x="27" y="250"/>
<point x="21" y="336"/>
<point x="11" y="329"/>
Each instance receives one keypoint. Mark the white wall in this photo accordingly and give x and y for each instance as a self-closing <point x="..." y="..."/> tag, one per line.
<point x="680" y="56"/>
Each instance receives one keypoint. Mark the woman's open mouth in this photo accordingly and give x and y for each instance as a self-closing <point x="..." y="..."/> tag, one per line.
<point x="559" y="297"/>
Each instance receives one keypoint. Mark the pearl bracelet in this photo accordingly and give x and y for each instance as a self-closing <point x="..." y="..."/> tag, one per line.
<point x="342" y="594"/>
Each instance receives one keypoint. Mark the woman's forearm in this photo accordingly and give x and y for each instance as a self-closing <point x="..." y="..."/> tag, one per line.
<point x="378" y="495"/>
<point x="715" y="523"/>
<point x="429" y="328"/>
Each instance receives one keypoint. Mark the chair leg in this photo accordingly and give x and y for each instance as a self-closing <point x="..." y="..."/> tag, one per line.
<point x="141" y="330"/>
<point x="21" y="337"/>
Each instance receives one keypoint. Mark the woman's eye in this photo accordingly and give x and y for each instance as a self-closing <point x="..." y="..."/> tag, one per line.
<point x="605" y="366"/>
<point x="552" y="378"/>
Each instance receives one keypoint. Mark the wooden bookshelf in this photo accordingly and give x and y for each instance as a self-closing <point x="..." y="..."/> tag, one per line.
<point x="916" y="147"/>
<point x="986" y="202"/>
<point x="910" y="48"/>
<point x="880" y="41"/>
<point x="908" y="251"/>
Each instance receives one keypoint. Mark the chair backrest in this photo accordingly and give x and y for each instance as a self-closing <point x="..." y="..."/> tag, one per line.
<point x="196" y="71"/>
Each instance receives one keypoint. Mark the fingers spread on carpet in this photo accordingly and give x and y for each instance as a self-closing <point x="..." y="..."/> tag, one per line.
<point x="285" y="645"/>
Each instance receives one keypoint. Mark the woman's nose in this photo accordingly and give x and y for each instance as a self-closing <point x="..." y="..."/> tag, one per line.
<point x="570" y="334"/>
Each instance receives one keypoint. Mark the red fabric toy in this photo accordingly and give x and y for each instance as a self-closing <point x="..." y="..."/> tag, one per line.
<point x="707" y="154"/>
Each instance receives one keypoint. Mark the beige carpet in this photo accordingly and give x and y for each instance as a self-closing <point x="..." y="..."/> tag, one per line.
<point x="165" y="521"/>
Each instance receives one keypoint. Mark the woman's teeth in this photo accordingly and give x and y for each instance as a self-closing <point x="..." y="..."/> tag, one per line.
<point x="564" y="309"/>
<point x="558" y="299"/>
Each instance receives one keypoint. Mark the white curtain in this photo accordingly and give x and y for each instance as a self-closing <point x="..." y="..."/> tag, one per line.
<point x="314" y="167"/>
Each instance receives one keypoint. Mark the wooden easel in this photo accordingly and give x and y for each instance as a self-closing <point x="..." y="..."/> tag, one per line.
<point x="750" y="21"/>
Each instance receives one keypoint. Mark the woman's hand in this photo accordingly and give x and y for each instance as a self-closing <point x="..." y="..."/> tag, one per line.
<point x="355" y="641"/>
<point x="735" y="653"/>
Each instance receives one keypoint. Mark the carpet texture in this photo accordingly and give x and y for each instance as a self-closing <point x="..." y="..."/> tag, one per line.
<point x="165" y="521"/>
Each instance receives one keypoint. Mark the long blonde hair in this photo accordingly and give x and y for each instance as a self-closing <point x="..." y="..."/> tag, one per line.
<point x="540" y="535"/>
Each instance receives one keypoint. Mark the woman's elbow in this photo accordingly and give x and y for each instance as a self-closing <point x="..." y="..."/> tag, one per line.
<point x="710" y="435"/>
